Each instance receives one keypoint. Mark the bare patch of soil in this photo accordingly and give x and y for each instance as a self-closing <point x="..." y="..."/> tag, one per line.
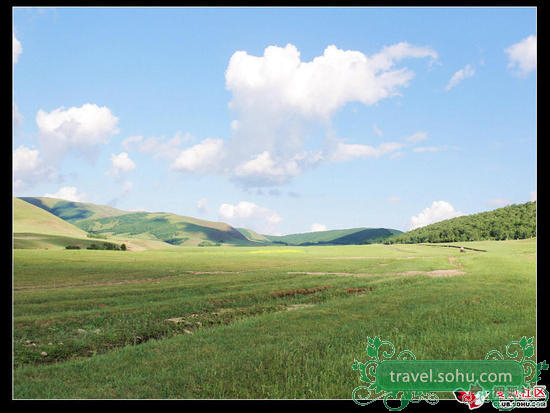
<point x="313" y="290"/>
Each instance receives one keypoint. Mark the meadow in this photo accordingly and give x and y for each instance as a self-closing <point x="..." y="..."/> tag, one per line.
<point x="256" y="322"/>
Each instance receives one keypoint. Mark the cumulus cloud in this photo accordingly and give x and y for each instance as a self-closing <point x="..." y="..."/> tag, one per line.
<point x="203" y="158"/>
<point x="464" y="73"/>
<point x="17" y="49"/>
<point x="120" y="164"/>
<point x="29" y="168"/>
<point x="249" y="214"/>
<point x="263" y="170"/>
<point x="279" y="99"/>
<point x="280" y="80"/>
<point x="68" y="193"/>
<point x="533" y="195"/>
<point x="316" y="227"/>
<point x="522" y="56"/>
<point x="282" y="107"/>
<point x="77" y="129"/>
<point x="438" y="211"/>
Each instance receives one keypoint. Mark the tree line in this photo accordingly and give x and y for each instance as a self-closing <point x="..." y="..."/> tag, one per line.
<point x="511" y="222"/>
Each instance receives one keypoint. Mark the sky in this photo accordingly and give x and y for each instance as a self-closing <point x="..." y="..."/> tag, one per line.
<point x="281" y="120"/>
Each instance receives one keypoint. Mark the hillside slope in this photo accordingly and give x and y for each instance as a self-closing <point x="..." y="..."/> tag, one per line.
<point x="166" y="227"/>
<point x="73" y="211"/>
<point x="254" y="236"/>
<point x="511" y="222"/>
<point x="36" y="228"/>
<point x="336" y="237"/>
<point x="28" y="218"/>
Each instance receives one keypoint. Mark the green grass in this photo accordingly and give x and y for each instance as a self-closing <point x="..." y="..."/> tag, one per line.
<point x="262" y="326"/>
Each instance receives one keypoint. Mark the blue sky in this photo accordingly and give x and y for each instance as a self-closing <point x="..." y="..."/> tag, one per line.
<point x="281" y="120"/>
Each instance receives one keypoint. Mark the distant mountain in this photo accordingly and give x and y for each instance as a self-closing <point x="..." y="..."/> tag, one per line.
<point x="511" y="222"/>
<point x="336" y="237"/>
<point x="170" y="228"/>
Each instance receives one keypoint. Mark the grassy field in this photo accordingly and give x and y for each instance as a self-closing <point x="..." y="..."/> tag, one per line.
<point x="243" y="322"/>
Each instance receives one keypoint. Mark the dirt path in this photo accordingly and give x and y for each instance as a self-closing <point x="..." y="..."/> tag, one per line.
<point x="434" y="273"/>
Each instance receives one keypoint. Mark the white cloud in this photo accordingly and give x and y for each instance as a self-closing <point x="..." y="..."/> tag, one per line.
<point x="316" y="227"/>
<point x="464" y="73"/>
<point x="499" y="202"/>
<point x="533" y="195"/>
<point x="264" y="170"/>
<point x="250" y="215"/>
<point x="438" y="211"/>
<point x="377" y="130"/>
<point x="29" y="168"/>
<point x="202" y="205"/>
<point x="280" y="81"/>
<point x="203" y="158"/>
<point x="120" y="164"/>
<point x="393" y="199"/>
<point x="78" y="129"/>
<point x="68" y="193"/>
<point x="523" y="55"/>
<point x="346" y="152"/>
<point x="279" y="99"/>
<point x="159" y="147"/>
<point x="417" y="137"/>
<point x="17" y="49"/>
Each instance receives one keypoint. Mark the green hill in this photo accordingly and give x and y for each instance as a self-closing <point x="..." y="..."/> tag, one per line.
<point x="336" y="237"/>
<point x="511" y="222"/>
<point x="35" y="228"/>
<point x="254" y="236"/>
<point x="73" y="211"/>
<point x="170" y="228"/>
<point x="28" y="218"/>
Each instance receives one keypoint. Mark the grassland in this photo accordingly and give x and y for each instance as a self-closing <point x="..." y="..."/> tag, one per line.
<point x="269" y="322"/>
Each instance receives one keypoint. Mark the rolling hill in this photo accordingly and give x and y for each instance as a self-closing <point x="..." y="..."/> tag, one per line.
<point x="511" y="222"/>
<point x="336" y="237"/>
<point x="28" y="218"/>
<point x="36" y="228"/>
<point x="168" y="228"/>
